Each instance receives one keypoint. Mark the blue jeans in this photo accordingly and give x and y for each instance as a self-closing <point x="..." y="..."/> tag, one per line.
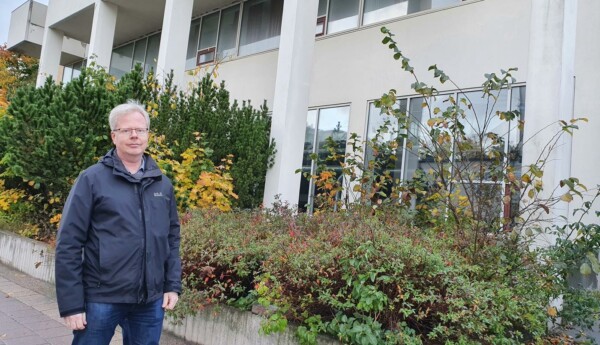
<point x="142" y="323"/>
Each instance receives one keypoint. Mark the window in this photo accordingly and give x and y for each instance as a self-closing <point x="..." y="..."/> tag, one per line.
<point x="67" y="74"/>
<point x="321" y="124"/>
<point x="413" y="160"/>
<point x="261" y="26"/>
<point x="121" y="60"/>
<point x="379" y="10"/>
<point x="139" y="52"/>
<point x="228" y="28"/>
<point x="208" y="39"/>
<point x="343" y="15"/>
<point x="192" y="47"/>
<point x="77" y="68"/>
<point x="340" y="15"/>
<point x="152" y="53"/>
<point x="143" y="51"/>
<point x="383" y="158"/>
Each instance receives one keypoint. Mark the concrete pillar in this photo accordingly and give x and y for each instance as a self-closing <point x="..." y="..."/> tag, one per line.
<point x="50" y="55"/>
<point x="174" y="39"/>
<point x="103" y="33"/>
<point x="550" y="91"/>
<point x="290" y="103"/>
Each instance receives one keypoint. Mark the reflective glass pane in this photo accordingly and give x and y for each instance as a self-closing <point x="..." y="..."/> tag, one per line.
<point x="228" y="32"/>
<point x="139" y="52"/>
<point x="322" y="8"/>
<point x="343" y="15"/>
<point x="309" y="146"/>
<point x="192" y="46"/>
<point x="378" y="10"/>
<point x="422" y="149"/>
<point x="152" y="53"/>
<point x="208" y="33"/>
<point x="328" y="123"/>
<point x="383" y="133"/>
<point x="332" y="123"/>
<point x="67" y="74"/>
<point x="486" y="201"/>
<point x="424" y="5"/>
<point x="121" y="60"/>
<point x="515" y="147"/>
<point x="261" y="26"/>
<point x="480" y="153"/>
<point x="77" y="69"/>
<point x="515" y="141"/>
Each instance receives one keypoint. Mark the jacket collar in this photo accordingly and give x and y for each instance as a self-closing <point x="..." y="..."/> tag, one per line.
<point x="151" y="170"/>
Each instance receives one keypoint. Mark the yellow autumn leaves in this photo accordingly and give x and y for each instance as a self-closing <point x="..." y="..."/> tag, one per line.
<point x="197" y="182"/>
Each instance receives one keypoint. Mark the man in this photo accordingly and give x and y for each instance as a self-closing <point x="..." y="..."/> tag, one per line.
<point x="117" y="254"/>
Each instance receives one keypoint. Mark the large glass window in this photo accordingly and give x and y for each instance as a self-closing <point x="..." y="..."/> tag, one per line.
<point x="378" y="10"/>
<point x="321" y="124"/>
<point x="390" y="159"/>
<point x="67" y="74"/>
<point x="261" y="26"/>
<point x="139" y="52"/>
<point x="121" y="60"/>
<point x="152" y="53"/>
<point x="77" y="67"/>
<point x="486" y="138"/>
<point x="192" y="47"/>
<point x="208" y="38"/>
<point x="340" y="15"/>
<point x="343" y="15"/>
<point x="228" y="28"/>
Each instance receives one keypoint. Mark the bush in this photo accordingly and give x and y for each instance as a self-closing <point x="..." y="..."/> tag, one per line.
<point x="52" y="133"/>
<point x="228" y="128"/>
<point x="364" y="278"/>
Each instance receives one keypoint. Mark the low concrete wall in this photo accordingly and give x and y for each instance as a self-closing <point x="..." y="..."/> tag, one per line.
<point x="226" y="326"/>
<point x="28" y="256"/>
<point x="211" y="326"/>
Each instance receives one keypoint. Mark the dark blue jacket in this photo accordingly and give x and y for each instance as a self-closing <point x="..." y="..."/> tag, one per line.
<point x="118" y="240"/>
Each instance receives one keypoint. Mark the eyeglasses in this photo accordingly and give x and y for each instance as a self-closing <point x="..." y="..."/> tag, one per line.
<point x="129" y="131"/>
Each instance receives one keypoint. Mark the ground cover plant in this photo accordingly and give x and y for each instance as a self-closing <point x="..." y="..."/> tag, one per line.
<point x="370" y="278"/>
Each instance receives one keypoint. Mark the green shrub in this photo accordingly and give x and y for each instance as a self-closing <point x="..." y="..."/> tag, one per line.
<point x="52" y="133"/>
<point x="228" y="128"/>
<point x="364" y="278"/>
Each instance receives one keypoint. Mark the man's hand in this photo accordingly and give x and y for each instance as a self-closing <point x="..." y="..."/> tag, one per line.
<point x="75" y="322"/>
<point x="169" y="300"/>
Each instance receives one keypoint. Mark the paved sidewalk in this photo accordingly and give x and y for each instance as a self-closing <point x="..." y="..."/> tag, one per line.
<point x="29" y="315"/>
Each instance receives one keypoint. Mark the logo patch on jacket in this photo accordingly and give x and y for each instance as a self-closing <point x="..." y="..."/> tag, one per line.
<point x="158" y="194"/>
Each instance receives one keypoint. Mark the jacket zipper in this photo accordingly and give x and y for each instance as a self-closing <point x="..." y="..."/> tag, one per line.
<point x="143" y="279"/>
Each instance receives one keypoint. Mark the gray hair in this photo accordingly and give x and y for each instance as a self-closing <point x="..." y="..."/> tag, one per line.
<point x="131" y="106"/>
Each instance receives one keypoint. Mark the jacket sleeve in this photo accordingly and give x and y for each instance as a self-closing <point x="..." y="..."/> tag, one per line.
<point x="173" y="263"/>
<point x="72" y="235"/>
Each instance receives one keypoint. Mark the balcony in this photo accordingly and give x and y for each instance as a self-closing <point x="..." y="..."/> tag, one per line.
<point x="26" y="33"/>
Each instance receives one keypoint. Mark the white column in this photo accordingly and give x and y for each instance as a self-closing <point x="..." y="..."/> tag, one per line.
<point x="103" y="33"/>
<point x="174" y="39"/>
<point x="50" y="55"/>
<point x="550" y="90"/>
<point x="290" y="103"/>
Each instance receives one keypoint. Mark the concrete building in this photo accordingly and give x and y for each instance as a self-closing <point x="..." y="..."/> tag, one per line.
<point x="320" y="64"/>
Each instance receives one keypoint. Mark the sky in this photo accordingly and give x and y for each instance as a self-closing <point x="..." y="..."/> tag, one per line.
<point x="6" y="8"/>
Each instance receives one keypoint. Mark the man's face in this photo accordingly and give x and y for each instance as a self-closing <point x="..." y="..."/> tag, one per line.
<point x="130" y="146"/>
